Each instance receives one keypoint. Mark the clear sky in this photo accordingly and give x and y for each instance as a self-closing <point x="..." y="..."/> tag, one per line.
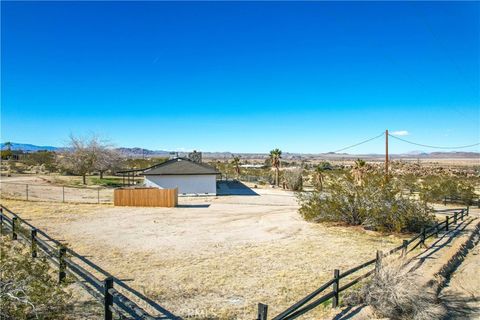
<point x="241" y="77"/>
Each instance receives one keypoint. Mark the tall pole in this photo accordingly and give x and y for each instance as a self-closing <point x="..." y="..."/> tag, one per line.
<point x="386" y="153"/>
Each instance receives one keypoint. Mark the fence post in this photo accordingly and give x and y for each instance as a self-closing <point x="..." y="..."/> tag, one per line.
<point x="63" y="193"/>
<point x="455" y="217"/>
<point x="34" y="242"/>
<point x="446" y="223"/>
<point x="61" y="264"/>
<point x="108" y="298"/>
<point x="14" y="223"/>
<point x="405" y="247"/>
<point x="1" y="221"/>
<point x="423" y="237"/>
<point x="26" y="191"/>
<point x="436" y="230"/>
<point x="336" y="286"/>
<point x="262" y="311"/>
<point x="461" y="214"/>
<point x="468" y="208"/>
<point x="378" y="263"/>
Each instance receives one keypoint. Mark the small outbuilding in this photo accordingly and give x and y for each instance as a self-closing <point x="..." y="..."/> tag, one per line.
<point x="190" y="177"/>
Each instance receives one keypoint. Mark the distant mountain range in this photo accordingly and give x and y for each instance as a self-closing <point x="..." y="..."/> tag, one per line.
<point x="27" y="147"/>
<point x="139" y="153"/>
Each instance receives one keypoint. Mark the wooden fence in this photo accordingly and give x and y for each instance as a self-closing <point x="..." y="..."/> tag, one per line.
<point x="129" y="303"/>
<point x="306" y="304"/>
<point x="121" y="300"/>
<point x="145" y="197"/>
<point x="475" y="202"/>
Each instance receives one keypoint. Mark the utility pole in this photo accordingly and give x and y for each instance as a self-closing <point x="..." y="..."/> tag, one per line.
<point x="386" y="154"/>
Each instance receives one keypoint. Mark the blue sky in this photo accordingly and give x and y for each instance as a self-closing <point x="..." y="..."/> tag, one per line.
<point x="241" y="77"/>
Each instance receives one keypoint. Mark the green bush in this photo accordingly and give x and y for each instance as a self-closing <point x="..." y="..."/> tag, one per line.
<point x="28" y="289"/>
<point x="372" y="203"/>
<point x="436" y="188"/>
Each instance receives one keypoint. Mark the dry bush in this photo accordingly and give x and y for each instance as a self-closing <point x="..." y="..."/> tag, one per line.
<point x="395" y="293"/>
<point x="293" y="179"/>
<point x="28" y="290"/>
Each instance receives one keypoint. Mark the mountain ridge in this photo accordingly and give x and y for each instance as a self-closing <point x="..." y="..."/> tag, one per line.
<point x="141" y="152"/>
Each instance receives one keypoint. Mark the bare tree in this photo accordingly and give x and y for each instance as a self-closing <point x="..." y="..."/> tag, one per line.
<point x="82" y="156"/>
<point x="107" y="159"/>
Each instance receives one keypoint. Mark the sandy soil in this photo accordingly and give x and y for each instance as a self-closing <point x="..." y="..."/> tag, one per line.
<point x="210" y="257"/>
<point x="41" y="188"/>
<point x="460" y="298"/>
<point x="462" y="295"/>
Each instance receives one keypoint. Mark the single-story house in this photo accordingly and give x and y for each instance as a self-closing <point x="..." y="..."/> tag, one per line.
<point x="190" y="177"/>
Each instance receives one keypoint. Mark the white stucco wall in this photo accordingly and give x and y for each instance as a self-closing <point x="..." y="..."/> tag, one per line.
<point x="188" y="184"/>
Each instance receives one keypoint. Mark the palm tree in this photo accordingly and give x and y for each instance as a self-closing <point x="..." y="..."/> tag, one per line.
<point x="236" y="164"/>
<point x="359" y="170"/>
<point x="275" y="156"/>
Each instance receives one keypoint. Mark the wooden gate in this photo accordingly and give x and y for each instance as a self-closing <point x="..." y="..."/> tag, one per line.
<point x="145" y="197"/>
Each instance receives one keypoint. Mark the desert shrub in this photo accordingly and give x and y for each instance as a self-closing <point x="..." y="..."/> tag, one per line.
<point x="45" y="158"/>
<point x="372" y="203"/>
<point x="394" y="293"/>
<point x="28" y="290"/>
<point x="409" y="182"/>
<point x="293" y="179"/>
<point x="439" y="187"/>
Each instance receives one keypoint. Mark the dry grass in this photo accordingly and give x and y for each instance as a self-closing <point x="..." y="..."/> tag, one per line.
<point x="216" y="262"/>
<point x="397" y="294"/>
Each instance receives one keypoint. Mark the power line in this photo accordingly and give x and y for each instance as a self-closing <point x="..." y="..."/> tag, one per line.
<point x="434" y="147"/>
<point x="357" y="144"/>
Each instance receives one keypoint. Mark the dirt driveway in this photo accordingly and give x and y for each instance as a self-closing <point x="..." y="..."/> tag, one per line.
<point x="212" y="256"/>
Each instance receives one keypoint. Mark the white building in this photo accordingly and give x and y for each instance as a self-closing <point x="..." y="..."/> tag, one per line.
<point x="191" y="178"/>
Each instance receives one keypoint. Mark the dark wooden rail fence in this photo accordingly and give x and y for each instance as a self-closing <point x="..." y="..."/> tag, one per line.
<point x="117" y="302"/>
<point x="114" y="301"/>
<point x="461" y="201"/>
<point x="306" y="304"/>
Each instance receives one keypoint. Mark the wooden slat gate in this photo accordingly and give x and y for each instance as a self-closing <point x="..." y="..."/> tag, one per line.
<point x="145" y="197"/>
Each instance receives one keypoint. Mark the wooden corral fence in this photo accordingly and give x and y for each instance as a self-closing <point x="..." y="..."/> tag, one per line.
<point x="475" y="202"/>
<point x="331" y="289"/>
<point x="145" y="197"/>
<point x="114" y="294"/>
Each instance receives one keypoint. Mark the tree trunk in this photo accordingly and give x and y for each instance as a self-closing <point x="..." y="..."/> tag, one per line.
<point x="276" y="177"/>
<point x="84" y="179"/>
<point x="101" y="174"/>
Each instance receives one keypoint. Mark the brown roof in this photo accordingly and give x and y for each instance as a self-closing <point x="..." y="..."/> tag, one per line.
<point x="180" y="166"/>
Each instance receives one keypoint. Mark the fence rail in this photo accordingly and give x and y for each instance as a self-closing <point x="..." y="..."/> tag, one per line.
<point x="124" y="301"/>
<point x="306" y="304"/>
<point x="472" y="202"/>
<point x="43" y="192"/>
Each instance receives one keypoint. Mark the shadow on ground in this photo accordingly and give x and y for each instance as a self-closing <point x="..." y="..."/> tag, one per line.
<point x="234" y="188"/>
<point x="193" y="205"/>
<point x="459" y="307"/>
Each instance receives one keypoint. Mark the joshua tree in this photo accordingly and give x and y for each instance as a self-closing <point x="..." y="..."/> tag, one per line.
<point x="319" y="174"/>
<point x="275" y="156"/>
<point x="319" y="177"/>
<point x="236" y="164"/>
<point x="359" y="170"/>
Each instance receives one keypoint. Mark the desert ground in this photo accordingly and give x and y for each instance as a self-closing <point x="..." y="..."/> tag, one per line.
<point x="211" y="256"/>
<point x="54" y="188"/>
